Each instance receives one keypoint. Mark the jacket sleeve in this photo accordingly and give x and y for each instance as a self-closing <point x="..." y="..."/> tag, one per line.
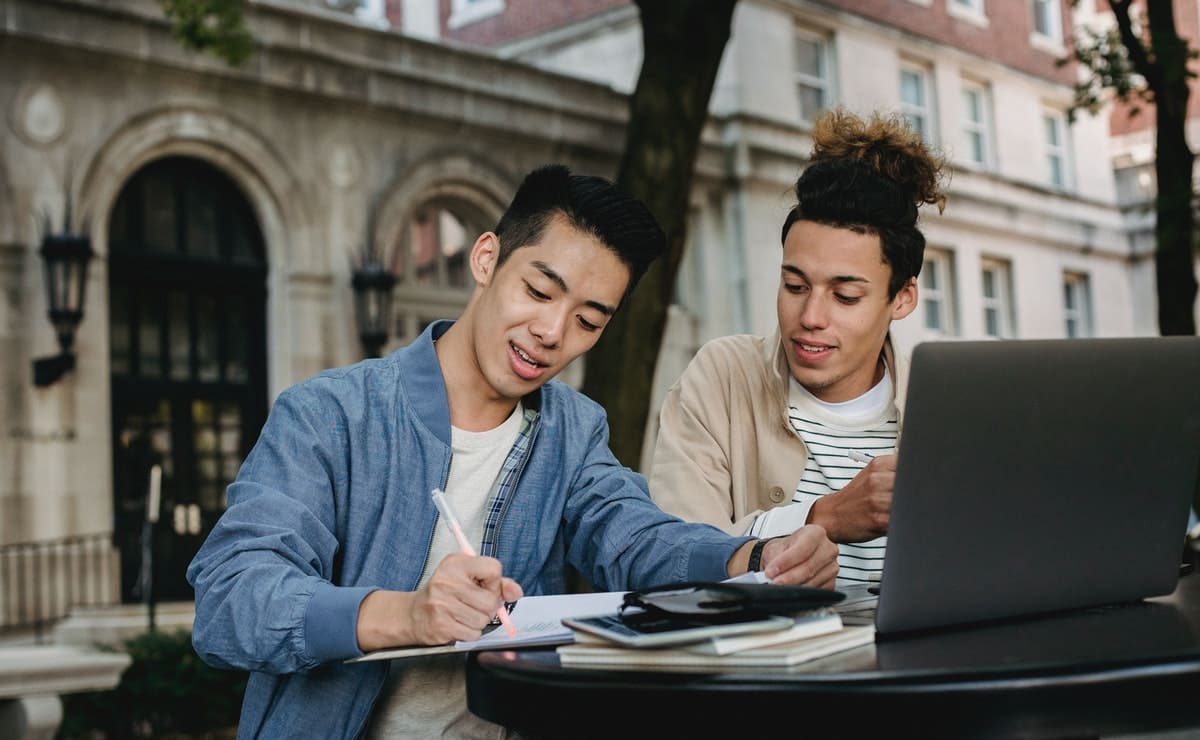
<point x="691" y="473"/>
<point x="619" y="539"/>
<point x="265" y="600"/>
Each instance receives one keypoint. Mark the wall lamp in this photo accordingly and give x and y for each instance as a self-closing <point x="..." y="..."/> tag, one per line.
<point x="65" y="260"/>
<point x="373" y="304"/>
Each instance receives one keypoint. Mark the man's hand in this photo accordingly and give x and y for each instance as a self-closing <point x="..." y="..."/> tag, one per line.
<point x="806" y="557"/>
<point x="459" y="600"/>
<point x="860" y="511"/>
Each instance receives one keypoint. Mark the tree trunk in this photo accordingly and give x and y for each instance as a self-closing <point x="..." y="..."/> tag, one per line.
<point x="682" y="42"/>
<point x="1174" y="227"/>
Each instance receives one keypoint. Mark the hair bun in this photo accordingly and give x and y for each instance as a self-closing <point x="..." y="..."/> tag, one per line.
<point x="889" y="145"/>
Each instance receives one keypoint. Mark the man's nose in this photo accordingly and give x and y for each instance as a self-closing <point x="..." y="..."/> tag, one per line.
<point x="548" y="329"/>
<point x="815" y="312"/>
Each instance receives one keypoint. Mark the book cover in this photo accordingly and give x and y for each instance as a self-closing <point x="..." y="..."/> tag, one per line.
<point x="596" y="655"/>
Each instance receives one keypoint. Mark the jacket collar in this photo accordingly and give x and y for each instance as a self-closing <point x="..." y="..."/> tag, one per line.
<point x="420" y="376"/>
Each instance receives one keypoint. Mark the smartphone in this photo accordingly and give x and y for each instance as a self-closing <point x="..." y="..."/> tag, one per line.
<point x="654" y="629"/>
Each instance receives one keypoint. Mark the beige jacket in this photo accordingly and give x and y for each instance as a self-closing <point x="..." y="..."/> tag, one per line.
<point x="726" y="451"/>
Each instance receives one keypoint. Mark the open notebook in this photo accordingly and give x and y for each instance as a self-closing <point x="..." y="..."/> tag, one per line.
<point x="1039" y="475"/>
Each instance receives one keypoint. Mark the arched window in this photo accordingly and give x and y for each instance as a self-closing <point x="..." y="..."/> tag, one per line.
<point x="429" y="259"/>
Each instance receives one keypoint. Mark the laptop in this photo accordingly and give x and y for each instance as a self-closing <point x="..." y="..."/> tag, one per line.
<point x="1039" y="475"/>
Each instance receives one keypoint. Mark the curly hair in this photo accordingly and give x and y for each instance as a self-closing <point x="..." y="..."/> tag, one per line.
<point x="871" y="175"/>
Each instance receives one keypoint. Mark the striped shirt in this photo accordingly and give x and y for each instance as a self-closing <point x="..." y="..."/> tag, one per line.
<point x="867" y="424"/>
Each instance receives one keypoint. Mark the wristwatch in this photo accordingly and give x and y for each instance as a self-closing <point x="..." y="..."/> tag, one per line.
<point x="756" y="552"/>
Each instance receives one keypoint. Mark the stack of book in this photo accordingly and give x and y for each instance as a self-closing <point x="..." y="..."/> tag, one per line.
<point x="810" y="636"/>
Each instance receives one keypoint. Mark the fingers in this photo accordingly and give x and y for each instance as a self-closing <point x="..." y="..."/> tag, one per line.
<point x="806" y="557"/>
<point x="510" y="590"/>
<point x="462" y="596"/>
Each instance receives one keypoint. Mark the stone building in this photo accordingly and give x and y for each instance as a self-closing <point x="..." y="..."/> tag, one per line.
<point x="229" y="207"/>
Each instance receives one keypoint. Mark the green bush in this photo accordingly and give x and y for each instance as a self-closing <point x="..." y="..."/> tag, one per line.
<point x="167" y="691"/>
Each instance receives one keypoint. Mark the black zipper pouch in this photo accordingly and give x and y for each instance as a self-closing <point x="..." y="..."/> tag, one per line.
<point x="721" y="600"/>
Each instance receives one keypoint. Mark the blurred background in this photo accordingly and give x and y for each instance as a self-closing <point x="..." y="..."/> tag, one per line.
<point x="212" y="200"/>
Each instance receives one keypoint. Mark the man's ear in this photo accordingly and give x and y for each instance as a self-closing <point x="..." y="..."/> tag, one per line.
<point x="905" y="301"/>
<point x="485" y="253"/>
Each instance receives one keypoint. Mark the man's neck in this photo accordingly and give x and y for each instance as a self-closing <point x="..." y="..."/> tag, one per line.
<point x="473" y="406"/>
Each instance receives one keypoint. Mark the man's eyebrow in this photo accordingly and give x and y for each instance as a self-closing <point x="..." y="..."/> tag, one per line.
<point x="549" y="272"/>
<point x="557" y="279"/>
<point x="835" y="279"/>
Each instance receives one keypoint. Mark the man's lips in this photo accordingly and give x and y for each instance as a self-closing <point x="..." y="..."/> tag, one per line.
<point x="524" y="364"/>
<point x="811" y="351"/>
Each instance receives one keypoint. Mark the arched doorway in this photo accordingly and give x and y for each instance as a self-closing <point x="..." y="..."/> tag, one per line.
<point x="187" y="303"/>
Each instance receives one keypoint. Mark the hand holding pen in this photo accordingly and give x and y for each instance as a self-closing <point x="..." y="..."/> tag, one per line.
<point x="447" y="515"/>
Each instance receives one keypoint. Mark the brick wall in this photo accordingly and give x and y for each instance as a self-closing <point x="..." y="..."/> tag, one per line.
<point x="522" y="18"/>
<point x="1005" y="39"/>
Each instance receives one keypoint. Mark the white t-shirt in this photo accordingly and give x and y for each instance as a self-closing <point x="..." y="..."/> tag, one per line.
<point x="426" y="697"/>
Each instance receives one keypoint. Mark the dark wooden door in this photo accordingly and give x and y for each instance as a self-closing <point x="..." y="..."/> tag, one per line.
<point x="187" y="295"/>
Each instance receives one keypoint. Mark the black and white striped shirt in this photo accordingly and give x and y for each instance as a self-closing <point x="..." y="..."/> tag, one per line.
<point x="868" y="424"/>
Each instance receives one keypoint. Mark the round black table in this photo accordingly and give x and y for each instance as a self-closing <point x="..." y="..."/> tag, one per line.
<point x="1100" y="671"/>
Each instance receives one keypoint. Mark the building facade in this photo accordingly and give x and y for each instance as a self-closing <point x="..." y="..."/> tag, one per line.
<point x="228" y="207"/>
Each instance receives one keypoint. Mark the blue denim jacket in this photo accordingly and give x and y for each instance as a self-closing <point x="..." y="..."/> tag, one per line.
<point x="333" y="503"/>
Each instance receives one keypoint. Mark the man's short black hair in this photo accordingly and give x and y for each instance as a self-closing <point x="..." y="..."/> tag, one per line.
<point x="591" y="204"/>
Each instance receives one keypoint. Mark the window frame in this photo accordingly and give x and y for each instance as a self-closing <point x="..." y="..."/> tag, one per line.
<point x="466" y="12"/>
<point x="1081" y="313"/>
<point x="825" y="84"/>
<point x="972" y="11"/>
<point x="1060" y="150"/>
<point x="982" y="127"/>
<point x="1054" y="34"/>
<point x="1002" y="302"/>
<point x="940" y="263"/>
<point x="928" y="112"/>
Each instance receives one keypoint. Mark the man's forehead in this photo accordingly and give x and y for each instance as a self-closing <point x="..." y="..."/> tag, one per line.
<point x="587" y="270"/>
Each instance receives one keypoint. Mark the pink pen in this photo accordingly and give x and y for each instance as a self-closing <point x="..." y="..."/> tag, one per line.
<point x="443" y="507"/>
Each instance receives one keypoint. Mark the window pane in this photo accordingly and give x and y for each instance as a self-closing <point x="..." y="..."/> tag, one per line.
<point x="149" y="339"/>
<point x="929" y="276"/>
<point x="119" y="332"/>
<point x="1051" y="125"/>
<point x="1068" y="295"/>
<point x="208" y="368"/>
<point x="972" y="106"/>
<point x="810" y="58"/>
<point x="989" y="284"/>
<point x="812" y="100"/>
<point x="423" y="242"/>
<point x="236" y="349"/>
<point x="1056" y="171"/>
<point x="158" y="213"/>
<point x="201" y="226"/>
<point x="179" y="337"/>
<point x="933" y="315"/>
<point x="1041" y="17"/>
<point x="975" y="143"/>
<point x="991" y="320"/>
<point x="911" y="89"/>
<point x="452" y="235"/>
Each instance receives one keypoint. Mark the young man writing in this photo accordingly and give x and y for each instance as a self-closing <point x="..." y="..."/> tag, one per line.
<point x="331" y="546"/>
<point x="761" y="435"/>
